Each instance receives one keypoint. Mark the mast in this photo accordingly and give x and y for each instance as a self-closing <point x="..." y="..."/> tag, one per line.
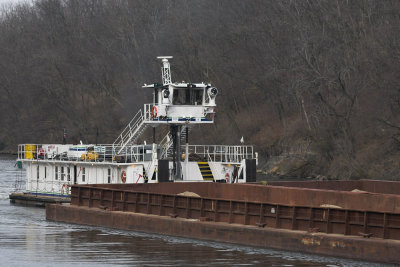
<point x="166" y="70"/>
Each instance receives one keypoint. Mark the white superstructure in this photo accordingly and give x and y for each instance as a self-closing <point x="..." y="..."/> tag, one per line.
<point x="52" y="168"/>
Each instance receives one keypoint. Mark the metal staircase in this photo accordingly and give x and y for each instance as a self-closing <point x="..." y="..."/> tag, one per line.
<point x="131" y="132"/>
<point x="166" y="142"/>
<point x="152" y="166"/>
<point x="205" y="171"/>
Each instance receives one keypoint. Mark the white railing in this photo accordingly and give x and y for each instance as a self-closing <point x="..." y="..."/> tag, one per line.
<point x="165" y="144"/>
<point x="148" y="109"/>
<point x="131" y="154"/>
<point x="87" y="153"/>
<point x="130" y="132"/>
<point x="49" y="187"/>
<point x="208" y="117"/>
<point x="220" y="153"/>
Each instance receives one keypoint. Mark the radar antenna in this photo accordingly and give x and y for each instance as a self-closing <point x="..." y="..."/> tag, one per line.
<point x="165" y="70"/>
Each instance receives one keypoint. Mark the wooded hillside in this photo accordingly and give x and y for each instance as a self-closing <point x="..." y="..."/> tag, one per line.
<point x="314" y="85"/>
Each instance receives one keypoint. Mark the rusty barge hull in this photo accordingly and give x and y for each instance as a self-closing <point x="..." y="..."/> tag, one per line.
<point x="311" y="218"/>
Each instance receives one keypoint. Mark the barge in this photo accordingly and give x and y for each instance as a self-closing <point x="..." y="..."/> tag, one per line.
<point x="51" y="169"/>
<point x="350" y="219"/>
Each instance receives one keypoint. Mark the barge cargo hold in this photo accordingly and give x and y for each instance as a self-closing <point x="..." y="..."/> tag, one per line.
<point x="350" y="219"/>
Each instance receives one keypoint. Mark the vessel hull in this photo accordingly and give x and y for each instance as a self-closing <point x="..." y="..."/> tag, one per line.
<point x="359" y="220"/>
<point x="366" y="249"/>
<point x="37" y="200"/>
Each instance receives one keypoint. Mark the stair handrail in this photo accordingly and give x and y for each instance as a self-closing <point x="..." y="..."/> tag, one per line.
<point x="124" y="132"/>
<point x="129" y="132"/>
<point x="167" y="141"/>
<point x="152" y="163"/>
<point x="165" y="144"/>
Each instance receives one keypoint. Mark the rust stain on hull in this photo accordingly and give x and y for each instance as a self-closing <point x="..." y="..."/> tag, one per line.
<point x="311" y="241"/>
<point x="337" y="244"/>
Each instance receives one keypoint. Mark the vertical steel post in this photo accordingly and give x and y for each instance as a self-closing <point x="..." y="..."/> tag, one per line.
<point x="179" y="153"/>
<point x="112" y="199"/>
<point x="294" y="218"/>
<point x="187" y="207"/>
<point x="79" y="196"/>
<point x="161" y="204"/>
<point x="328" y="221"/>
<point x="216" y="211"/>
<point x="246" y="213"/>
<point x="230" y="211"/>
<point x="384" y="225"/>
<point x="90" y="197"/>
<point x="346" y="223"/>
<point x="148" y="203"/>
<point x="277" y="217"/>
<point x="124" y="202"/>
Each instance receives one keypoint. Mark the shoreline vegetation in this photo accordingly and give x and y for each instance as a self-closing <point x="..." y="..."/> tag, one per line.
<point x="314" y="86"/>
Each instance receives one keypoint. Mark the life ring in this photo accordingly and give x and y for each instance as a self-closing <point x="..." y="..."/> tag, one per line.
<point x="227" y="178"/>
<point x="123" y="176"/>
<point x="154" y="112"/>
<point x="64" y="188"/>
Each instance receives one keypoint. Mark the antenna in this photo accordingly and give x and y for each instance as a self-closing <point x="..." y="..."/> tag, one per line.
<point x="165" y="69"/>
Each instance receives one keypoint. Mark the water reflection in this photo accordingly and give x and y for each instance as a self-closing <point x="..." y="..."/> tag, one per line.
<point x="26" y="238"/>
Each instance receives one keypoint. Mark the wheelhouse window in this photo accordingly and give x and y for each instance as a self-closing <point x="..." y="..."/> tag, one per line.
<point x="197" y="97"/>
<point x="109" y="176"/>
<point x="56" y="173"/>
<point x="68" y="174"/>
<point x="188" y="96"/>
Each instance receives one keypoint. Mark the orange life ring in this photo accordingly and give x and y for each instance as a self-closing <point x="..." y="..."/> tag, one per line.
<point x="123" y="176"/>
<point x="154" y="112"/>
<point x="227" y="178"/>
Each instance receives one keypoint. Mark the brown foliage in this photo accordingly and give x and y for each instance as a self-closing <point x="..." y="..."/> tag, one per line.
<point x="309" y="77"/>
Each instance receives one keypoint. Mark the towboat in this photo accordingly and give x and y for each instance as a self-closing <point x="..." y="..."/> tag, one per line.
<point x="51" y="169"/>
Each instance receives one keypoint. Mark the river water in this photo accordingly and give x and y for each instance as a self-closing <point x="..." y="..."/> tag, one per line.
<point x="26" y="238"/>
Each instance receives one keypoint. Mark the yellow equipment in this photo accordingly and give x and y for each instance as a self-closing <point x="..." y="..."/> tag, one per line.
<point x="30" y="150"/>
<point x="90" y="156"/>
